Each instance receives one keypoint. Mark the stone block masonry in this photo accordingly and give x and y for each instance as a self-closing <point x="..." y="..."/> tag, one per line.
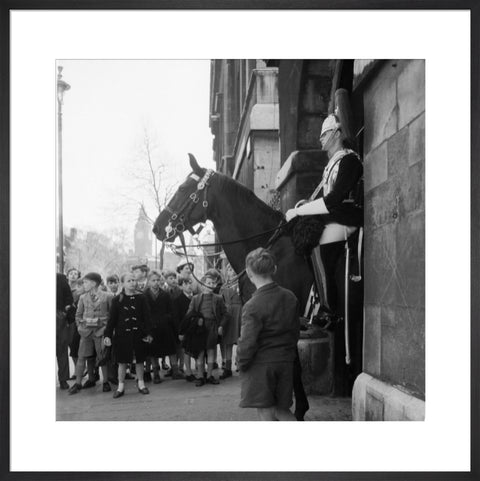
<point x="394" y="337"/>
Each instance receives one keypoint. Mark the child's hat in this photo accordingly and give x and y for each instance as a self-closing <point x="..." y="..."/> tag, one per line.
<point x="93" y="276"/>
<point x="183" y="263"/>
<point x="142" y="267"/>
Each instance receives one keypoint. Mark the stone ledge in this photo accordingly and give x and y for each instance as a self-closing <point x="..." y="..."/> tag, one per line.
<point x="375" y="400"/>
<point x="264" y="117"/>
<point x="301" y="161"/>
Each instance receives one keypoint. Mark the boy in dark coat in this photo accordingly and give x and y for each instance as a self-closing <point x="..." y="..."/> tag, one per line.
<point x="180" y="308"/>
<point x="214" y="312"/>
<point x="267" y="345"/>
<point x="163" y="330"/>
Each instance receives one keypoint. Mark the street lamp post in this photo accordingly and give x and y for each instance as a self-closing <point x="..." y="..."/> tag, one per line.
<point x="62" y="87"/>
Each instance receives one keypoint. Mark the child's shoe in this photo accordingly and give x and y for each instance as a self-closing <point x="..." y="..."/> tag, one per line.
<point x="88" y="383"/>
<point x="176" y="374"/>
<point x="142" y="390"/>
<point x="118" y="394"/>
<point x="200" y="382"/>
<point x="212" y="380"/>
<point x="156" y="378"/>
<point x="75" y="389"/>
<point x="226" y="373"/>
<point x="190" y="378"/>
<point x="106" y="387"/>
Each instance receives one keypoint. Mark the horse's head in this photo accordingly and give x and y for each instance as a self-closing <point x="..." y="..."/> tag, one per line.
<point x="188" y="205"/>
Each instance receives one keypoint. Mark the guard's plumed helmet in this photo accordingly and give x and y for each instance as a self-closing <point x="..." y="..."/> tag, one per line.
<point x="330" y="123"/>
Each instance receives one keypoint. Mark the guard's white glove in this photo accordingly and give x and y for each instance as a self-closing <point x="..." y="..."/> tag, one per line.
<point x="291" y="214"/>
<point x="107" y="341"/>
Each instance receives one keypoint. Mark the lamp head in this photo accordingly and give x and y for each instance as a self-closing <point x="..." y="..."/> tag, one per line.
<point x="62" y="86"/>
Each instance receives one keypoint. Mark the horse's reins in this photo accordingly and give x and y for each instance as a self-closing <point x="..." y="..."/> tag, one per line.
<point x="235" y="279"/>
<point x="237" y="241"/>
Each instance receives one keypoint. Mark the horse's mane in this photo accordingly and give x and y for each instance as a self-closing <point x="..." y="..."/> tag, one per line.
<point x="230" y="187"/>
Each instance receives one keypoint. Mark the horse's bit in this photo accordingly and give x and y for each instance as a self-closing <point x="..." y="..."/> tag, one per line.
<point x="176" y="223"/>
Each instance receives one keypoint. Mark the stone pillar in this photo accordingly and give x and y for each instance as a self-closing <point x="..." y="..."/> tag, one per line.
<point x="394" y="167"/>
<point x="299" y="176"/>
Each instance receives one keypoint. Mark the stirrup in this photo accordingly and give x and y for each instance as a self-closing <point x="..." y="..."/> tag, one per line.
<point x="325" y="319"/>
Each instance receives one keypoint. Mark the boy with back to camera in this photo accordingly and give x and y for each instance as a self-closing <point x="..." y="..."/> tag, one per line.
<point x="267" y="345"/>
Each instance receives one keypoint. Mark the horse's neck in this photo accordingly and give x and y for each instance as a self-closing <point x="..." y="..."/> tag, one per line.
<point x="238" y="219"/>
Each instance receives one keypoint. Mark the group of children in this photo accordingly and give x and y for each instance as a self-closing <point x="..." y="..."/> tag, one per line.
<point x="146" y="316"/>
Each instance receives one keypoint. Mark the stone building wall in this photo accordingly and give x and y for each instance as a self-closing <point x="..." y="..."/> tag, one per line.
<point x="394" y="173"/>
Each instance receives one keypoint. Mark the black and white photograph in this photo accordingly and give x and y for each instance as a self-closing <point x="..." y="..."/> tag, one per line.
<point x="240" y="240"/>
<point x="240" y="214"/>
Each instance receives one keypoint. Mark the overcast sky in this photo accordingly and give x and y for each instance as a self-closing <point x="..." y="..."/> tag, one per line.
<point x="109" y="104"/>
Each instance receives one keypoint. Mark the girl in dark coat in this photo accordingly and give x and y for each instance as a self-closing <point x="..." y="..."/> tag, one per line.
<point x="129" y="325"/>
<point x="163" y="328"/>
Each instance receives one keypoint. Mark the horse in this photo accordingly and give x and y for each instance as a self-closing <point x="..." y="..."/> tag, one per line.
<point x="238" y="215"/>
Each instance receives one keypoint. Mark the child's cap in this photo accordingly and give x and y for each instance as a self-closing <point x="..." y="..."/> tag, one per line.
<point x="93" y="276"/>
<point x="214" y="274"/>
<point x="142" y="267"/>
<point x="183" y="263"/>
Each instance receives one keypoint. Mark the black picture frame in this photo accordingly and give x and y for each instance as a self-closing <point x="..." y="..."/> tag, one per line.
<point x="8" y="5"/>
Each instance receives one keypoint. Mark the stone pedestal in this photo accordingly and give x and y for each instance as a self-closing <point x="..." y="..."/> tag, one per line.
<point x="315" y="349"/>
<point x="375" y="400"/>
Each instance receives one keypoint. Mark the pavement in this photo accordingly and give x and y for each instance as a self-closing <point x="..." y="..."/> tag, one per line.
<point x="179" y="400"/>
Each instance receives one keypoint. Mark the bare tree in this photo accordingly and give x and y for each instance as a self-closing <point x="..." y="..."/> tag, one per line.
<point x="148" y="172"/>
<point x="95" y="251"/>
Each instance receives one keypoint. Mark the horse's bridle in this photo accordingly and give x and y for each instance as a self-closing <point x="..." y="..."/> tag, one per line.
<point x="176" y="223"/>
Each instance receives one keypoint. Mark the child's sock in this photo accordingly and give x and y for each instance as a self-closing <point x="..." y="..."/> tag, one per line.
<point x="121" y="386"/>
<point x="209" y="369"/>
<point x="141" y="384"/>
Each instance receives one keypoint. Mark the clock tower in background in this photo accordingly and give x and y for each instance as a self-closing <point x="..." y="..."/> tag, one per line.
<point x="143" y="235"/>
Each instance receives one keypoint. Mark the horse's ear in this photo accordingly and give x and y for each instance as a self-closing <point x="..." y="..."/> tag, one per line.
<point x="195" y="167"/>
